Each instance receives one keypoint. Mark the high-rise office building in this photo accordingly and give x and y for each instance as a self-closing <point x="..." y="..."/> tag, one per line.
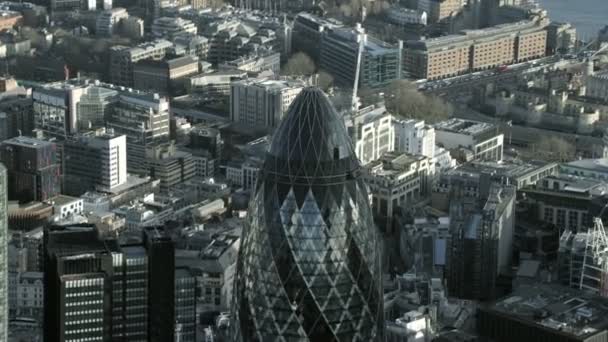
<point x="33" y="170"/>
<point x="380" y="61"/>
<point x="185" y="305"/>
<point x="144" y="119"/>
<point x="309" y="265"/>
<point x="262" y="103"/>
<point x="77" y="286"/>
<point x="96" y="290"/>
<point x="96" y="160"/>
<point x="3" y="255"/>
<point x="161" y="285"/>
<point x="122" y="59"/>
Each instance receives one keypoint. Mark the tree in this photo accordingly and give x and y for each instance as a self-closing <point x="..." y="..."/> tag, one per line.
<point x="402" y="98"/>
<point x="299" y="64"/>
<point x="324" y="80"/>
<point x="555" y="149"/>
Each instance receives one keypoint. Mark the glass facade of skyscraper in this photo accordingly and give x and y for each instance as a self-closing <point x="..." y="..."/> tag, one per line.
<point x="309" y="264"/>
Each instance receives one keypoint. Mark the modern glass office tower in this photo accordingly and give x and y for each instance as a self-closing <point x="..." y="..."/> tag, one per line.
<point x="309" y="265"/>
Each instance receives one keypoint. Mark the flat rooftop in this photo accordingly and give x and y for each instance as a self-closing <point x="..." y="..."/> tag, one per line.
<point x="467" y="127"/>
<point x="63" y="199"/>
<point x="563" y="310"/>
<point x="509" y="168"/>
<point x="27" y="142"/>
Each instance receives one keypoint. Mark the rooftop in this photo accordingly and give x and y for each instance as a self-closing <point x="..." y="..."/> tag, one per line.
<point x="560" y="309"/>
<point x="63" y="199"/>
<point x="466" y="127"/>
<point x="24" y="141"/>
<point x="597" y="165"/>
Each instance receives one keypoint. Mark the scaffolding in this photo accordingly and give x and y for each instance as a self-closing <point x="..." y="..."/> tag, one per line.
<point x="594" y="276"/>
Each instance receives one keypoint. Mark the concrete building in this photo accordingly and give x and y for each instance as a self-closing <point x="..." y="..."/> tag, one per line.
<point x="16" y="117"/>
<point x="238" y="35"/>
<point x="55" y="108"/>
<point x="66" y="206"/>
<point x="568" y="315"/>
<point x="262" y="102"/>
<point x="94" y="107"/>
<point x="473" y="50"/>
<point x="122" y="59"/>
<point x="191" y="44"/>
<point x="380" y="62"/>
<point x="308" y="31"/>
<point x="144" y="119"/>
<point x="166" y="76"/>
<point x="107" y="21"/>
<point x="97" y="160"/>
<point x="259" y="61"/>
<point x="169" y="165"/>
<point x="470" y="140"/>
<point x="372" y="133"/>
<point x="168" y="27"/>
<point x="132" y="27"/>
<point x="185" y="305"/>
<point x="244" y="173"/>
<point x="565" y="201"/>
<point x="596" y="169"/>
<point x="414" y="137"/>
<point x="214" y="85"/>
<point x="481" y="241"/>
<point x="61" y="109"/>
<point x="398" y="180"/>
<point x="65" y="5"/>
<point x="29" y="295"/>
<point x="102" y="269"/>
<point x="597" y="86"/>
<point x="561" y="37"/>
<point x="405" y="16"/>
<point x="32" y="167"/>
<point x="440" y="9"/>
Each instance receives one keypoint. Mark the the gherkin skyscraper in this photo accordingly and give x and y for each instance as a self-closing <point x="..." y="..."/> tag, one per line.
<point x="309" y="264"/>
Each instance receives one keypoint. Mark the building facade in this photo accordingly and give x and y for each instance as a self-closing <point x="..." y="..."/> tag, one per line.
<point x="97" y="160"/>
<point x="96" y="290"/>
<point x="474" y="50"/>
<point x="414" y="137"/>
<point x="305" y="291"/>
<point x="32" y="167"/>
<point x="470" y="140"/>
<point x="261" y="103"/>
<point x="398" y="180"/>
<point x="380" y="62"/>
<point x="144" y="119"/>
<point x="122" y="59"/>
<point x="373" y="133"/>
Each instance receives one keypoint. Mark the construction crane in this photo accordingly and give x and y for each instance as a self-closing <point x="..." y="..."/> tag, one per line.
<point x="354" y="104"/>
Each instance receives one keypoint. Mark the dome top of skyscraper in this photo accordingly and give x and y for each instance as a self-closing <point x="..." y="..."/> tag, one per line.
<point x="312" y="131"/>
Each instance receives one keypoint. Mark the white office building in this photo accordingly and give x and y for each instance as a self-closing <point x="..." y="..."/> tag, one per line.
<point x="414" y="137"/>
<point x="373" y="133"/>
<point x="262" y="103"/>
<point x="168" y="27"/>
<point x="107" y="21"/>
<point x="96" y="160"/>
<point x="470" y="140"/>
<point x="402" y="16"/>
<point x="398" y="179"/>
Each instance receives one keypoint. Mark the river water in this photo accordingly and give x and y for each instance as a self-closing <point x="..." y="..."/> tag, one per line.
<point x="589" y="16"/>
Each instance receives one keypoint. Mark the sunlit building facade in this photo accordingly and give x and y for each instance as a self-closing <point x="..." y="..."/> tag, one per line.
<point x="309" y="265"/>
